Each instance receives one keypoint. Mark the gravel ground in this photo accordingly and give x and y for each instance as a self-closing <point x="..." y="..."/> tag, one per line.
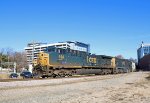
<point x="122" y="88"/>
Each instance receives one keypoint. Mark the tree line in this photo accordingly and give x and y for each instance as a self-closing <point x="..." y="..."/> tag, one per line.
<point x="8" y="56"/>
<point x="130" y="59"/>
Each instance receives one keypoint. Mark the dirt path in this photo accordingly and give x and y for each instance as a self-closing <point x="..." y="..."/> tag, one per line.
<point x="124" y="88"/>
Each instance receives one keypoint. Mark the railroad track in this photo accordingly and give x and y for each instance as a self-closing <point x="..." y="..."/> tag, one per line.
<point x="30" y="79"/>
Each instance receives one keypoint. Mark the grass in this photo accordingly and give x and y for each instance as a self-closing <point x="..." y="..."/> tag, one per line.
<point x="4" y="76"/>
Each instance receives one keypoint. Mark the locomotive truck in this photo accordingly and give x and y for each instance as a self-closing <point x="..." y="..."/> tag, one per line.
<point x="61" y="62"/>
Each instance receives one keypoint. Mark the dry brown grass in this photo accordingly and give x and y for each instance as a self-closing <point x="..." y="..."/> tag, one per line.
<point x="4" y="76"/>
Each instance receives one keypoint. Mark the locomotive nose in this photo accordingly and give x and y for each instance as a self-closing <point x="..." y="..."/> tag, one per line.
<point x="43" y="59"/>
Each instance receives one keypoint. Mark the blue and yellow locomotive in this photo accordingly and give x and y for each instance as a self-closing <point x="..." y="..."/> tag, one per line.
<point x="59" y="62"/>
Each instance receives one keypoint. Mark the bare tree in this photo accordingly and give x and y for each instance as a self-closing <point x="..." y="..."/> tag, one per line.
<point x="20" y="59"/>
<point x="8" y="57"/>
<point x="1" y="54"/>
<point x="9" y="52"/>
<point x="120" y="56"/>
<point x="1" y="57"/>
<point x="133" y="60"/>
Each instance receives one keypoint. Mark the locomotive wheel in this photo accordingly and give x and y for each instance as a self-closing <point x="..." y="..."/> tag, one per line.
<point x="54" y="75"/>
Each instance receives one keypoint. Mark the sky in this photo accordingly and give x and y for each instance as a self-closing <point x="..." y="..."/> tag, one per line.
<point x="111" y="27"/>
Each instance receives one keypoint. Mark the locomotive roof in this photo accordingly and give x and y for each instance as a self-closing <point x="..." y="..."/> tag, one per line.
<point x="105" y="56"/>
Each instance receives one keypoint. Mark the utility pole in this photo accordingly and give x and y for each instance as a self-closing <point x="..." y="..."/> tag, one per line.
<point x="8" y="54"/>
<point x="33" y="51"/>
<point x="31" y="65"/>
<point x="8" y="61"/>
<point x="14" y="67"/>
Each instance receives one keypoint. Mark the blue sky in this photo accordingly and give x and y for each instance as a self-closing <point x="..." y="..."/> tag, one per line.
<point x="111" y="27"/>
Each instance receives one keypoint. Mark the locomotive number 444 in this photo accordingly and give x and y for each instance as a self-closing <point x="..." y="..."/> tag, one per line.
<point x="61" y="57"/>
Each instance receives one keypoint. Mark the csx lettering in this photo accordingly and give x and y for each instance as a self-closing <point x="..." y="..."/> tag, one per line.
<point x="92" y="60"/>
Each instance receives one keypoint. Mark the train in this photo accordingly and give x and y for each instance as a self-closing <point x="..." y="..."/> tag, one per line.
<point x="62" y="62"/>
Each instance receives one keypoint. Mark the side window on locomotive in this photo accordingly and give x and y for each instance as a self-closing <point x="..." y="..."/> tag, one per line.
<point x="51" y="49"/>
<point x="75" y="53"/>
<point x="41" y="54"/>
<point x="64" y="51"/>
<point x="78" y="53"/>
<point x="61" y="51"/>
<point x="58" y="50"/>
<point x="71" y="52"/>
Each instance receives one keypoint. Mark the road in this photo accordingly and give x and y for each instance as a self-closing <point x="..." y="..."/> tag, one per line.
<point x="122" y="88"/>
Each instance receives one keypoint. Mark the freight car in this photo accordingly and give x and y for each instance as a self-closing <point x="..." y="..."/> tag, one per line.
<point x="60" y="62"/>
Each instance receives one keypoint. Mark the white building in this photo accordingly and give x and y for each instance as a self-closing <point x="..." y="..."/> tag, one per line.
<point x="33" y="49"/>
<point x="143" y="50"/>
